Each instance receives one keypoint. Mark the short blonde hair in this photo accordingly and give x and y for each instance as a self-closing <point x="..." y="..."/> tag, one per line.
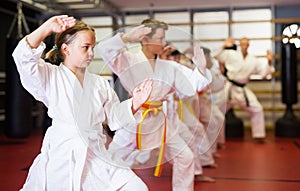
<point x="244" y="39"/>
<point x="154" y="24"/>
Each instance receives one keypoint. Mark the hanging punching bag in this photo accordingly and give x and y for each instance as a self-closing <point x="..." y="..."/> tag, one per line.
<point x="288" y="125"/>
<point x="18" y="105"/>
<point x="289" y="74"/>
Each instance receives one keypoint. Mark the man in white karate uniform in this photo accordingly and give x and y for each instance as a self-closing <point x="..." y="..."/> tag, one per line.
<point x="239" y="66"/>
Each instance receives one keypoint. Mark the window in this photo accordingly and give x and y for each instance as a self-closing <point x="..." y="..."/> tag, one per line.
<point x="211" y="28"/>
<point x="102" y="25"/>
<point x="179" y="32"/>
<point x="256" y="25"/>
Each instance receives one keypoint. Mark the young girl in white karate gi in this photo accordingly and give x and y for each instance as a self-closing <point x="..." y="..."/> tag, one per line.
<point x="73" y="155"/>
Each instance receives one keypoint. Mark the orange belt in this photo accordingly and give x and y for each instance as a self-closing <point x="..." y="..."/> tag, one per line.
<point x="154" y="107"/>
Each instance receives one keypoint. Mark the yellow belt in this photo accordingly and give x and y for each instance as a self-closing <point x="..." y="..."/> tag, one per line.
<point x="154" y="107"/>
<point x="180" y="108"/>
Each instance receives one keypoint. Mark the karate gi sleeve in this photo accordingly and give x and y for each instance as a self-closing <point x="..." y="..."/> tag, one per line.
<point x="263" y="69"/>
<point x="200" y="82"/>
<point x="33" y="71"/>
<point x="113" y="52"/>
<point x="118" y="114"/>
<point x="221" y="54"/>
<point x="196" y="79"/>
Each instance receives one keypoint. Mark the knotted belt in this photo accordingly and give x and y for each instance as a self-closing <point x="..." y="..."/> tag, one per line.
<point x="242" y="86"/>
<point x="154" y="107"/>
<point x="236" y="84"/>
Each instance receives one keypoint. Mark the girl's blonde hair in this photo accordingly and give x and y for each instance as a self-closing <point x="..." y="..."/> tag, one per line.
<point x="55" y="54"/>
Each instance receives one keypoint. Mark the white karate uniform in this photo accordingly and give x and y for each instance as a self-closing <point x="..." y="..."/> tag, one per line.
<point x="191" y="120"/>
<point x="132" y="69"/>
<point x="73" y="155"/>
<point x="211" y="117"/>
<point x="240" y="70"/>
<point x="188" y="113"/>
<point x="191" y="139"/>
<point x="217" y="93"/>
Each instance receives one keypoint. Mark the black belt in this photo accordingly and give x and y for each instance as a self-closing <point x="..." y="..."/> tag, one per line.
<point x="239" y="85"/>
<point x="236" y="83"/>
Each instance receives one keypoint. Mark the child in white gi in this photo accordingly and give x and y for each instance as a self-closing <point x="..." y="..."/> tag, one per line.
<point x="73" y="155"/>
<point x="187" y="110"/>
<point x="158" y="128"/>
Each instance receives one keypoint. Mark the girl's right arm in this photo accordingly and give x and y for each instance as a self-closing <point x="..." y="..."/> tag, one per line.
<point x="56" y="24"/>
<point x="33" y="71"/>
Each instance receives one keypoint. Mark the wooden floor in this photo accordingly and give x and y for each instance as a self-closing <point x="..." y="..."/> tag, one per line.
<point x="244" y="165"/>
